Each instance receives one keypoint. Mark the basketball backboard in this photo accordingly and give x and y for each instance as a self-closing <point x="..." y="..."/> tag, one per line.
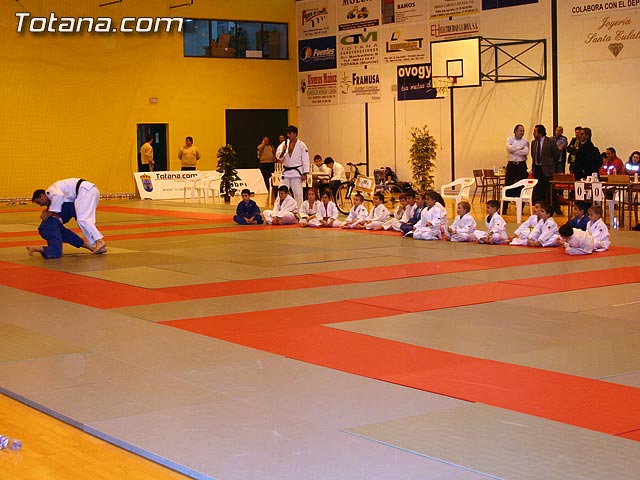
<point x="458" y="58"/>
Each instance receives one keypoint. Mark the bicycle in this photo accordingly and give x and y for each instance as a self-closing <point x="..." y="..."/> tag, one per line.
<point x="359" y="183"/>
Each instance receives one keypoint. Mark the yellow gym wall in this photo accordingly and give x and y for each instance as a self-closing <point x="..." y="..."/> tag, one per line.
<point x="70" y="103"/>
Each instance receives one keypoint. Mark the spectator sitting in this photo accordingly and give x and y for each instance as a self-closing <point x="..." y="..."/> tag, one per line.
<point x="611" y="164"/>
<point x="580" y="218"/>
<point x="633" y="165"/>
<point x="336" y="174"/>
<point x="247" y="212"/>
<point x="574" y="240"/>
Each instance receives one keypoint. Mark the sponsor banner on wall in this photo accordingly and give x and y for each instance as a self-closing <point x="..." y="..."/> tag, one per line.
<point x="414" y="82"/>
<point x="455" y="27"/>
<point x="453" y="8"/>
<point x="357" y="14"/>
<point x="358" y="85"/>
<point x="410" y="11"/>
<point x="318" y="88"/>
<point x="315" y="18"/>
<point x="594" y="7"/>
<point x="317" y="54"/>
<point x="405" y="43"/>
<point x="165" y="185"/>
<point x="358" y="49"/>
<point x="599" y="32"/>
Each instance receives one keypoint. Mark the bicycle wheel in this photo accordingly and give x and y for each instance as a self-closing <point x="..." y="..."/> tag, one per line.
<point x="343" y="197"/>
<point x="393" y="193"/>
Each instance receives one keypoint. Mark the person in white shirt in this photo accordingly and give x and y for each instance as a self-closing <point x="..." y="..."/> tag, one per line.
<point x="318" y="175"/>
<point x="574" y="240"/>
<point x="309" y="208"/>
<point x="327" y="215"/>
<point x="295" y="161"/>
<point x="517" y="151"/>
<point x="188" y="155"/>
<point x="462" y="228"/>
<point x="433" y="218"/>
<point x="357" y="214"/>
<point x="598" y="230"/>
<point x="545" y="233"/>
<point x="378" y="215"/>
<point x="285" y="209"/>
<point x="85" y="197"/>
<point x="523" y="232"/>
<point x="496" y="233"/>
<point x="337" y="174"/>
<point x="395" y="221"/>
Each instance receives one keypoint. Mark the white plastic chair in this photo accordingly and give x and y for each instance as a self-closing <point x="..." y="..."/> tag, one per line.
<point x="213" y="188"/>
<point x="459" y="189"/>
<point x="196" y="185"/>
<point x="526" y="196"/>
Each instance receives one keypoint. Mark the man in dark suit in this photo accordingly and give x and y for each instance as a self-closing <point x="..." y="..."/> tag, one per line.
<point x="545" y="155"/>
<point x="588" y="159"/>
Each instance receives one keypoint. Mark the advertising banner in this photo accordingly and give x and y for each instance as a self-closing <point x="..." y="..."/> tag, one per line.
<point x="318" y="88"/>
<point x="410" y="11"/>
<point x="315" y="18"/>
<point x="358" y="49"/>
<point x="414" y="82"/>
<point x="404" y="43"/>
<point x="439" y="9"/>
<point x="358" y="14"/>
<point x="360" y="85"/>
<point x="455" y="27"/>
<point x="317" y="54"/>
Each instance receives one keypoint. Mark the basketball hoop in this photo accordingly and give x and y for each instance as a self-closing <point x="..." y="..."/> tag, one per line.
<point x="442" y="85"/>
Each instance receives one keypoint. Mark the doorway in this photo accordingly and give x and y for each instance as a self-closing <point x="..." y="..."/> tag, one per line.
<point x="159" y="133"/>
<point x="246" y="128"/>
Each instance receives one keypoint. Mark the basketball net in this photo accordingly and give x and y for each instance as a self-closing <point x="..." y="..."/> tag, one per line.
<point x="442" y="85"/>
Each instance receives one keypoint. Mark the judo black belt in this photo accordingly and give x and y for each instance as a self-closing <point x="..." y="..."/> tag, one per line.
<point x="297" y="169"/>
<point x="78" y="185"/>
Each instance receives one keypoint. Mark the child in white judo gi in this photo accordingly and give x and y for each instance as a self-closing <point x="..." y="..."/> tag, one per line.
<point x="496" y="233"/>
<point x="394" y="221"/>
<point x="357" y="214"/>
<point x="523" y="232"/>
<point x="378" y="214"/>
<point x="545" y="233"/>
<point x="285" y="209"/>
<point x="598" y="230"/>
<point x="327" y="213"/>
<point x="309" y="208"/>
<point x="433" y="218"/>
<point x="462" y="228"/>
<point x="574" y="240"/>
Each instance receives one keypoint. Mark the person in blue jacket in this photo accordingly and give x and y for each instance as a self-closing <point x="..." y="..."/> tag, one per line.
<point x="248" y="212"/>
<point x="52" y="229"/>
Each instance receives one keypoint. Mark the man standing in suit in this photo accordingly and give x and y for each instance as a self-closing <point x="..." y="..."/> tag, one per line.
<point x="545" y="155"/>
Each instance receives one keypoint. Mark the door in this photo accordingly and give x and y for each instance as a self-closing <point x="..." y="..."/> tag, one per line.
<point x="159" y="133"/>
<point x="246" y="128"/>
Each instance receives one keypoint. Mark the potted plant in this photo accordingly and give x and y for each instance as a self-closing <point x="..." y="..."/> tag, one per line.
<point x="422" y="157"/>
<point x="227" y="163"/>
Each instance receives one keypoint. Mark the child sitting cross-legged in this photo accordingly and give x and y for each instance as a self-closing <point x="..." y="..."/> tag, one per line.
<point x="309" y="208"/>
<point x="395" y="220"/>
<point x="378" y="215"/>
<point x="598" y="229"/>
<point x="574" y="240"/>
<point x="357" y="214"/>
<point x="497" y="227"/>
<point x="523" y="232"/>
<point x="462" y="228"/>
<point x="247" y="212"/>
<point x="415" y="210"/>
<point x="580" y="218"/>
<point x="432" y="219"/>
<point x="545" y="234"/>
<point x="285" y="209"/>
<point x="327" y="215"/>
